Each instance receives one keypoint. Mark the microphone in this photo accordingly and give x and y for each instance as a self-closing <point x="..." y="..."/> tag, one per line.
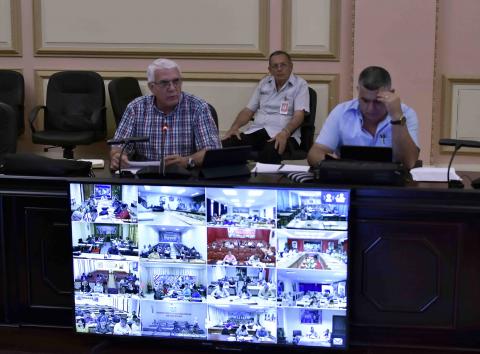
<point x="457" y="143"/>
<point x="162" y="147"/>
<point x="460" y="143"/>
<point x="133" y="139"/>
<point x="173" y="171"/>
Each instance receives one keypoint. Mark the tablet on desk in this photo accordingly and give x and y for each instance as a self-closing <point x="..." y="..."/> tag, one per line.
<point x="226" y="162"/>
<point x="366" y="153"/>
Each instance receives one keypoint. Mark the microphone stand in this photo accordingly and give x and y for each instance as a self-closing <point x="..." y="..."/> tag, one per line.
<point x="126" y="142"/>
<point x="453" y="183"/>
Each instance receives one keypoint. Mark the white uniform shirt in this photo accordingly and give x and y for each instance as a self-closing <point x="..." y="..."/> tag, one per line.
<point x="267" y="102"/>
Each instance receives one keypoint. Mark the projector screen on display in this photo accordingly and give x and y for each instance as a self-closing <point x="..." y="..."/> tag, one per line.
<point x="241" y="267"/>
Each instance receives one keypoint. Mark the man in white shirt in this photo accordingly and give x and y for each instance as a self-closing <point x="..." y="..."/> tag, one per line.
<point x="279" y="104"/>
<point x="121" y="328"/>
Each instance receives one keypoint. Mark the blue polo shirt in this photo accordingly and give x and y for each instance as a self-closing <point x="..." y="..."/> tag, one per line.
<point x="343" y="126"/>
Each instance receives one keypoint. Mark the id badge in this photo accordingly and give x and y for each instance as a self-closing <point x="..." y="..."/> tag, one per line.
<point x="284" y="107"/>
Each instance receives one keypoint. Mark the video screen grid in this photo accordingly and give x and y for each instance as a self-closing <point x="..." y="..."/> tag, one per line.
<point x="258" y="265"/>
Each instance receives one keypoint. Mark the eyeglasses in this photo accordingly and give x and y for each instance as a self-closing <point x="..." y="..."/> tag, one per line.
<point x="166" y="83"/>
<point x="279" y="66"/>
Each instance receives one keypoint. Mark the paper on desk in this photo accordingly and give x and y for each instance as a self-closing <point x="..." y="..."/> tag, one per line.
<point x="96" y="163"/>
<point x="275" y="168"/>
<point x="433" y="174"/>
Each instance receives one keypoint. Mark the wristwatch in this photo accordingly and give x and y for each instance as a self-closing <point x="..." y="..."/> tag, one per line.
<point x="191" y="163"/>
<point x="400" y="121"/>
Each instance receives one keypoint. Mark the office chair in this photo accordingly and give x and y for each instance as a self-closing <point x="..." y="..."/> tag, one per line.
<point x="214" y="114"/>
<point x="307" y="132"/>
<point x="12" y="92"/>
<point x="8" y="130"/>
<point x="122" y="91"/>
<point x="74" y="113"/>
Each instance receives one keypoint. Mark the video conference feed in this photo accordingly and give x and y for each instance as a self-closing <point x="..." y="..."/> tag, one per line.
<point x="312" y="210"/>
<point x="255" y="265"/>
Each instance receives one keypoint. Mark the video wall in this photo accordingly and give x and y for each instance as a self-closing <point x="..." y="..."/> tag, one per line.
<point x="255" y="265"/>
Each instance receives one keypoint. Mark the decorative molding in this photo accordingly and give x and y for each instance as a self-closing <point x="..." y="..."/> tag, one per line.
<point x="329" y="49"/>
<point x="11" y="46"/>
<point x="227" y="40"/>
<point x="436" y="88"/>
<point x="450" y="110"/>
<point x="425" y="295"/>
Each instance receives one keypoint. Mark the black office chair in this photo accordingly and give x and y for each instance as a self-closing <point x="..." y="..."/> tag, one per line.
<point x="74" y="113"/>
<point x="122" y="91"/>
<point x="307" y="132"/>
<point x="12" y="92"/>
<point x="214" y="114"/>
<point x="8" y="130"/>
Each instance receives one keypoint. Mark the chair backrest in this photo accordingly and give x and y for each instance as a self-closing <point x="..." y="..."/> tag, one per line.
<point x="307" y="129"/>
<point x="12" y="92"/>
<point x="214" y="114"/>
<point x="72" y="98"/>
<point x="296" y="333"/>
<point x="122" y="91"/>
<point x="8" y="130"/>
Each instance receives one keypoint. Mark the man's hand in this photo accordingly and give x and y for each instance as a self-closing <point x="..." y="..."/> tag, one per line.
<point x="232" y="132"/>
<point x="115" y="159"/>
<point x="176" y="160"/>
<point x="392" y="103"/>
<point x="280" y="141"/>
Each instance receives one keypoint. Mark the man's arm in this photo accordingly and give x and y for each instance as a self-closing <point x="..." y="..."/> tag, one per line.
<point x="282" y="137"/>
<point x="317" y="153"/>
<point x="115" y="158"/>
<point x="404" y="148"/>
<point x="183" y="160"/>
<point x="206" y="137"/>
<point x="243" y="118"/>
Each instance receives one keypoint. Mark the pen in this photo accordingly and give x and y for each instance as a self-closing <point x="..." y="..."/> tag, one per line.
<point x="280" y="167"/>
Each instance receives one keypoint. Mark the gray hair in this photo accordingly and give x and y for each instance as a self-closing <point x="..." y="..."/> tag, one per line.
<point x="374" y="78"/>
<point x="160" y="64"/>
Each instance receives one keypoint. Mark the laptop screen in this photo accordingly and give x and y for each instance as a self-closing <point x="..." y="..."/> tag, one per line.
<point x="366" y="153"/>
<point x="235" y="155"/>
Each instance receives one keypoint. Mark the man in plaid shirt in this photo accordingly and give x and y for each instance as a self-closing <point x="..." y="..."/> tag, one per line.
<point x="176" y="122"/>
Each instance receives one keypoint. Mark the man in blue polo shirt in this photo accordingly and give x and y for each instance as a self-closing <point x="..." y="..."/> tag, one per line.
<point x="376" y="118"/>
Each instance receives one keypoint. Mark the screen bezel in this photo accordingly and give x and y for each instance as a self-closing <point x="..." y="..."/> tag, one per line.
<point x="190" y="343"/>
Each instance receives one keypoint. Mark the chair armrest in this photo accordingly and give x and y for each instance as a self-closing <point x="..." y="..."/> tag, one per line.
<point x="97" y="116"/>
<point x="7" y="107"/>
<point x="33" y="115"/>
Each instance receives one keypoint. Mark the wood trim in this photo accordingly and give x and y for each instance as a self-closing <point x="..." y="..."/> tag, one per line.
<point x="185" y="52"/>
<point x="16" y="27"/>
<point x="333" y="52"/>
<point x="446" y="118"/>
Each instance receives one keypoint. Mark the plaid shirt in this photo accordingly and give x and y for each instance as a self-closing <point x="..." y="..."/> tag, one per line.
<point x="190" y="128"/>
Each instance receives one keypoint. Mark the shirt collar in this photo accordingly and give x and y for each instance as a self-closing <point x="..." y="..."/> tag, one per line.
<point x="354" y="105"/>
<point x="152" y="97"/>
<point x="291" y="80"/>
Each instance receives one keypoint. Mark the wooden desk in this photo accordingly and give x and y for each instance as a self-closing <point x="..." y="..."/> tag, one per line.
<point x="414" y="262"/>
